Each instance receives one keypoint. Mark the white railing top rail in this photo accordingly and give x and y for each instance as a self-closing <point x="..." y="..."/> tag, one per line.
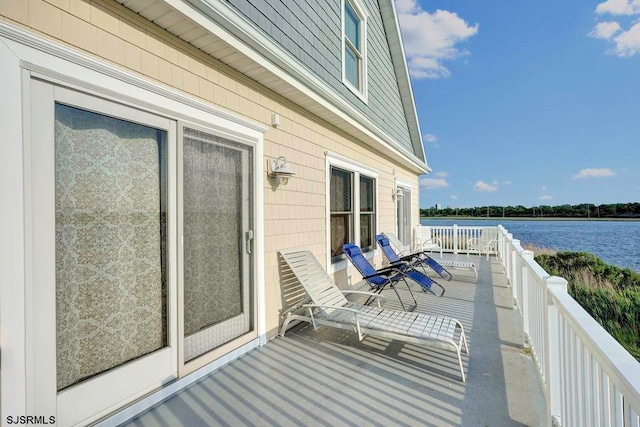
<point x="460" y="227"/>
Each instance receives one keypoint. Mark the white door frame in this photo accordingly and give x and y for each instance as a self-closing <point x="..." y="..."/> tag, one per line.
<point x="25" y="55"/>
<point x="409" y="186"/>
<point x="187" y="366"/>
<point x="129" y="380"/>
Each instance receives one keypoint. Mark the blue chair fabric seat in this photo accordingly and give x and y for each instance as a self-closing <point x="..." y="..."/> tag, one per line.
<point x="388" y="276"/>
<point x="418" y="259"/>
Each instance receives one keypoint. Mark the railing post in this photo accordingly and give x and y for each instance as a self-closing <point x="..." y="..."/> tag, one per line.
<point x="455" y="239"/>
<point x="515" y="281"/>
<point x="553" y="367"/>
<point x="508" y="266"/>
<point x="502" y="245"/>
<point x="527" y="256"/>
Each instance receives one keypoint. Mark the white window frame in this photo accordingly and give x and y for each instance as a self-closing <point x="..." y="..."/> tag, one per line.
<point x="361" y="12"/>
<point x="341" y="162"/>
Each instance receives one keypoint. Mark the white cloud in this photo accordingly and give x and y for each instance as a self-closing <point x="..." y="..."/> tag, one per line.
<point x="454" y="197"/>
<point x="427" y="68"/>
<point x="624" y="43"/>
<point x="441" y="174"/>
<point x="431" y="38"/>
<point x="545" y="197"/>
<point x="495" y="182"/>
<point x="594" y="173"/>
<point x="507" y="182"/>
<point x="483" y="186"/>
<point x="433" y="183"/>
<point x="605" y="30"/>
<point x="431" y="139"/>
<point x="543" y="188"/>
<point x="619" y="7"/>
<point x="627" y="43"/>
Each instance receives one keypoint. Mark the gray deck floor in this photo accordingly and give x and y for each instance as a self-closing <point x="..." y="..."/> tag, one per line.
<point x="329" y="378"/>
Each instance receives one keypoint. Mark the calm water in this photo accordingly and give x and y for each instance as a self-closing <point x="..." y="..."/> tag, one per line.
<point x="615" y="242"/>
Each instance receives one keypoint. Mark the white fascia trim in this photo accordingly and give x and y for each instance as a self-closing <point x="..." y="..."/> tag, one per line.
<point x="59" y="51"/>
<point x="224" y="22"/>
<point x="361" y="11"/>
<point x="390" y="17"/>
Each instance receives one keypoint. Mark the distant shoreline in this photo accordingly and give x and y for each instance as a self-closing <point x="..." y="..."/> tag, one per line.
<point x="506" y="218"/>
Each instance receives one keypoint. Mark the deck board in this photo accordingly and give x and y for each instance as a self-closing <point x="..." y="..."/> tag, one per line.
<point x="329" y="378"/>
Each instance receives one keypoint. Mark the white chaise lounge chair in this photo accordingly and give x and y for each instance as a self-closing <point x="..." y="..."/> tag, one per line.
<point x="403" y="251"/>
<point x="330" y="308"/>
<point x="426" y="242"/>
<point x="485" y="243"/>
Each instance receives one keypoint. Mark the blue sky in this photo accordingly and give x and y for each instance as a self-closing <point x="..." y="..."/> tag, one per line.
<point x="526" y="102"/>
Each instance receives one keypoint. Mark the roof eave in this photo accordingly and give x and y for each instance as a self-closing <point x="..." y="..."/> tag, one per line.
<point x="262" y="59"/>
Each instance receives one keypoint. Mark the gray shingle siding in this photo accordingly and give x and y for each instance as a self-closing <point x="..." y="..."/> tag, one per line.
<point x="310" y="30"/>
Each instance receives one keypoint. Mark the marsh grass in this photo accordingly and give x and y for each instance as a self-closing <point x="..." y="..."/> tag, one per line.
<point x="611" y="295"/>
<point x="539" y="250"/>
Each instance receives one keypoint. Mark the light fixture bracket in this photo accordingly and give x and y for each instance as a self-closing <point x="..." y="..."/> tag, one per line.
<point x="280" y="169"/>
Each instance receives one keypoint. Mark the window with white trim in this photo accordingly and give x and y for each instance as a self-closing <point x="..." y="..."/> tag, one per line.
<point x="354" y="47"/>
<point x="353" y="208"/>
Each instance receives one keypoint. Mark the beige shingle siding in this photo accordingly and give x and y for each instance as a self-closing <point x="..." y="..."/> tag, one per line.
<point x="295" y="214"/>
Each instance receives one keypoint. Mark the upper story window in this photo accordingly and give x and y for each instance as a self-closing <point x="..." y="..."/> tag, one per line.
<point x="354" y="47"/>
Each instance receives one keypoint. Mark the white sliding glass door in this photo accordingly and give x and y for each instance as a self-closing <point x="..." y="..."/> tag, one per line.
<point x="217" y="237"/>
<point x="140" y="251"/>
<point x="104" y="299"/>
<point x="403" y="214"/>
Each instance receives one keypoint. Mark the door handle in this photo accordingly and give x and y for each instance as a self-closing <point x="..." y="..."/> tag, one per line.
<point x="249" y="239"/>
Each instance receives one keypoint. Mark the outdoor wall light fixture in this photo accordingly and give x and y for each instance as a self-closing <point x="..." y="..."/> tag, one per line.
<point x="280" y="169"/>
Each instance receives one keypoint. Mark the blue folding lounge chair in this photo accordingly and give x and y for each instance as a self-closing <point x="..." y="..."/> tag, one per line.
<point x="379" y="279"/>
<point x="403" y="250"/>
<point x="419" y="259"/>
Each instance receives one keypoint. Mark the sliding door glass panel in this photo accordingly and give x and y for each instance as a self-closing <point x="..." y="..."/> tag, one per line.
<point x="403" y="214"/>
<point x="407" y="216"/>
<point x="110" y="225"/>
<point x="217" y="194"/>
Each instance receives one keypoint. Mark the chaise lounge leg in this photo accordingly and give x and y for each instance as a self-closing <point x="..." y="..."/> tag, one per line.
<point x="464" y="379"/>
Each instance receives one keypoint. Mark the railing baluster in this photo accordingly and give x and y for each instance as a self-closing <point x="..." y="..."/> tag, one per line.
<point x="618" y="410"/>
<point x="606" y="416"/>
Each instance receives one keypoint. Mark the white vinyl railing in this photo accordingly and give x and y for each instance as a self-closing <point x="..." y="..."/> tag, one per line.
<point x="455" y="239"/>
<point x="588" y="378"/>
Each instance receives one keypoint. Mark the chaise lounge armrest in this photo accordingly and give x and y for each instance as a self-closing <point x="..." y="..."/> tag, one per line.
<point x="334" y="307"/>
<point x="369" y="294"/>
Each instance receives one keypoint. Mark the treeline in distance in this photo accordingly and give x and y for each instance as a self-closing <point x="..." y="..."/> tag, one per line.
<point x="585" y="210"/>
